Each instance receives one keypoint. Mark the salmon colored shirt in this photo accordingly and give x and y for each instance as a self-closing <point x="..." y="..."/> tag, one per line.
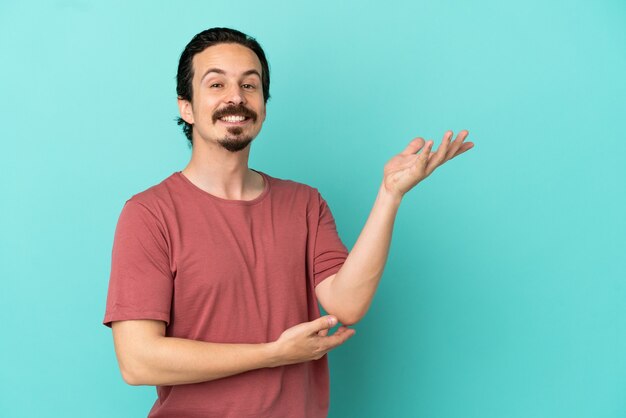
<point x="228" y="271"/>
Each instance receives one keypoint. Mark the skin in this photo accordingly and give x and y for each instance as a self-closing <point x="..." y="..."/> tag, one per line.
<point x="212" y="167"/>
<point x="349" y="293"/>
<point x="145" y="355"/>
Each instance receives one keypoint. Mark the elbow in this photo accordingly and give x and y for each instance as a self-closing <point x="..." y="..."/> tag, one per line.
<point x="134" y="372"/>
<point x="131" y="376"/>
<point x="137" y="378"/>
<point x="136" y="343"/>
<point x="348" y="322"/>
<point x="130" y="379"/>
<point x="349" y="314"/>
<point x="350" y="318"/>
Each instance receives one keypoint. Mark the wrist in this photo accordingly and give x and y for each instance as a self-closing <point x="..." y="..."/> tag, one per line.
<point x="389" y="197"/>
<point x="271" y="351"/>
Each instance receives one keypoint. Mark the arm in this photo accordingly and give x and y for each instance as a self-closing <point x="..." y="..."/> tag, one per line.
<point x="147" y="357"/>
<point x="349" y="293"/>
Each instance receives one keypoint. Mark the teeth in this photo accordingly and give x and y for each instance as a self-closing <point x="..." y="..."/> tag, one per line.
<point x="233" y="118"/>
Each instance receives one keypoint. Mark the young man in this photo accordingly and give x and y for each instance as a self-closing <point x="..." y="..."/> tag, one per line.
<point x="217" y="271"/>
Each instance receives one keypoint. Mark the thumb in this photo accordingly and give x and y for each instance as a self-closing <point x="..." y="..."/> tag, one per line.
<point x="323" y="323"/>
<point x="413" y="146"/>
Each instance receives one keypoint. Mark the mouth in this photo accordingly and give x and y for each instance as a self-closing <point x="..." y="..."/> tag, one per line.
<point x="234" y="120"/>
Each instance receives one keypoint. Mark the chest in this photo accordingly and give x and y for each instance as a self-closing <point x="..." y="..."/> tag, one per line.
<point x="242" y="274"/>
<point x="241" y="250"/>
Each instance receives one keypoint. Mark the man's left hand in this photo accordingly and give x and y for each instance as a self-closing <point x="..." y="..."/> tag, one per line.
<point x="408" y="168"/>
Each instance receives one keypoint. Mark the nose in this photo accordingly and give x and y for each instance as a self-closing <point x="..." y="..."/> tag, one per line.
<point x="235" y="95"/>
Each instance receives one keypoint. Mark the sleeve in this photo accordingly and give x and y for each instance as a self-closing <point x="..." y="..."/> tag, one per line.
<point x="330" y="253"/>
<point x="141" y="281"/>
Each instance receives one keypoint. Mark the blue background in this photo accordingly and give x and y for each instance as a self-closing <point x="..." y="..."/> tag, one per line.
<point x="504" y="292"/>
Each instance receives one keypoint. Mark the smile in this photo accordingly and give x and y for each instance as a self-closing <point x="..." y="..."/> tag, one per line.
<point x="234" y="120"/>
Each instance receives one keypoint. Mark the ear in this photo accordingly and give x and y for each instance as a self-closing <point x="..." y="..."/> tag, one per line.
<point x="186" y="110"/>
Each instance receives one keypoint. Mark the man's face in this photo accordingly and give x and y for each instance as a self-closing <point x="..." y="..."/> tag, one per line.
<point x="228" y="105"/>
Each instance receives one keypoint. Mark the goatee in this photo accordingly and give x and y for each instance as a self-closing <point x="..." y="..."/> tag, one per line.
<point x="235" y="144"/>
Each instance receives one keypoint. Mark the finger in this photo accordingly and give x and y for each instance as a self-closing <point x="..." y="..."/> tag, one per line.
<point x="338" y="338"/>
<point x="425" y="152"/>
<point x="418" y="168"/>
<point x="454" y="147"/>
<point x="440" y="155"/>
<point x="465" y="147"/>
<point x="413" y="146"/>
<point x="322" y="323"/>
<point x="324" y="332"/>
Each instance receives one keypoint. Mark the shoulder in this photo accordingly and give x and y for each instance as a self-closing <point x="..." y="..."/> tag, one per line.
<point x="156" y="199"/>
<point x="290" y="185"/>
<point x="281" y="186"/>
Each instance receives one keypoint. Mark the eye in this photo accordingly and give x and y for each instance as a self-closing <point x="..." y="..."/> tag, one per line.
<point x="216" y="84"/>
<point x="248" y="86"/>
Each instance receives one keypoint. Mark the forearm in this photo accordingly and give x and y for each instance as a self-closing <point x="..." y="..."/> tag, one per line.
<point x="147" y="357"/>
<point x="175" y="361"/>
<point x="355" y="283"/>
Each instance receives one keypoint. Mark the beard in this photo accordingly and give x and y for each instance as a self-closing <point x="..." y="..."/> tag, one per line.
<point x="237" y="142"/>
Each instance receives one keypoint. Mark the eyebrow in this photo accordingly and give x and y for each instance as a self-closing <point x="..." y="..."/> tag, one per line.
<point x="220" y="71"/>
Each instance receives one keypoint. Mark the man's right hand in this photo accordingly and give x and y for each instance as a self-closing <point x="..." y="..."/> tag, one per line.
<point x="309" y="340"/>
<point x="147" y="357"/>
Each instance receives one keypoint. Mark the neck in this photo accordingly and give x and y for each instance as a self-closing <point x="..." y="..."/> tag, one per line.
<point x="223" y="173"/>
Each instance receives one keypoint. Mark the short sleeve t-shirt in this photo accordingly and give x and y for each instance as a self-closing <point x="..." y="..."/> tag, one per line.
<point x="228" y="271"/>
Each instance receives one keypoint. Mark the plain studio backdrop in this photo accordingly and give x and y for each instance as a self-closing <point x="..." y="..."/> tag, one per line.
<point x="504" y="292"/>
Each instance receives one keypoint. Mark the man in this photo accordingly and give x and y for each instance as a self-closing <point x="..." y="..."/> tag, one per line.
<point x="217" y="271"/>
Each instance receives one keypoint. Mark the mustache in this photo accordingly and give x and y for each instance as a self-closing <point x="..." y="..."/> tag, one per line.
<point x="239" y="110"/>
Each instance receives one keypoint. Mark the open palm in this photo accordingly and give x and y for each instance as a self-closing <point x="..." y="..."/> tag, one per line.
<point x="408" y="168"/>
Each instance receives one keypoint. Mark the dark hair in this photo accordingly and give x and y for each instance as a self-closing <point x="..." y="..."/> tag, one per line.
<point x="199" y="43"/>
